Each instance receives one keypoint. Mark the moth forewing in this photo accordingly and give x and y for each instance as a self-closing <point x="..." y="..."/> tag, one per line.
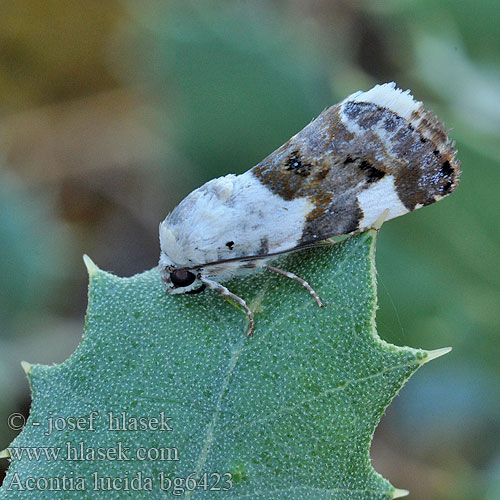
<point x="375" y="151"/>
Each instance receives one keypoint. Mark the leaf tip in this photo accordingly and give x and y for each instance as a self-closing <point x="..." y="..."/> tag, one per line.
<point x="381" y="219"/>
<point x="400" y="493"/>
<point x="436" y="353"/>
<point x="256" y="303"/>
<point x="27" y="367"/>
<point x="92" y="269"/>
<point x="5" y="453"/>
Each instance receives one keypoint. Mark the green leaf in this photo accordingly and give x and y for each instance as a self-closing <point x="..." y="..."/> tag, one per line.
<point x="290" y="413"/>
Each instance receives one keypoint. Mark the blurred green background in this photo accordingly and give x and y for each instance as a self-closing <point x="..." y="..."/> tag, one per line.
<point x="111" y="112"/>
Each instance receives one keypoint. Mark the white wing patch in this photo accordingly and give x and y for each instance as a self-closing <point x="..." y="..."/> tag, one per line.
<point x="233" y="209"/>
<point x="388" y="96"/>
<point x="380" y="196"/>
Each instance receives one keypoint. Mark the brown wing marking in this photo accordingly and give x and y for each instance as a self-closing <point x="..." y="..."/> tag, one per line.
<point x="330" y="164"/>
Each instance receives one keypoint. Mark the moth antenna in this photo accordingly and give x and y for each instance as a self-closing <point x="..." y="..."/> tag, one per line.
<point x="303" y="282"/>
<point x="217" y="287"/>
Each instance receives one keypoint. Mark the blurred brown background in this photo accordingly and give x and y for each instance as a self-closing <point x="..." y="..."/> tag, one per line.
<point x="111" y="112"/>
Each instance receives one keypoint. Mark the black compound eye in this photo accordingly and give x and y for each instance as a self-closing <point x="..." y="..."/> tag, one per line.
<point x="181" y="277"/>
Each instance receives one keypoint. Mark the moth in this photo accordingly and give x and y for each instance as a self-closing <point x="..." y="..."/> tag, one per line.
<point x="374" y="152"/>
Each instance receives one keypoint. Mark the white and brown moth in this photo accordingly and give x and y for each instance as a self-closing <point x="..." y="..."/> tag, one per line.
<point x="376" y="151"/>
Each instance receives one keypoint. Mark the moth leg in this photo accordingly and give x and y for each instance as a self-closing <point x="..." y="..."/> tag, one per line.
<point x="217" y="287"/>
<point x="294" y="277"/>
